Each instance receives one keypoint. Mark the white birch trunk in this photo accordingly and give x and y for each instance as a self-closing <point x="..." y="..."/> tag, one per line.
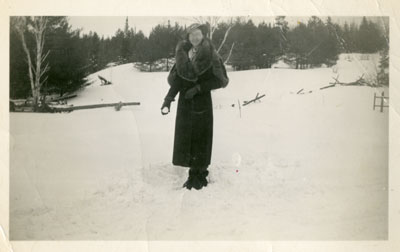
<point x="35" y="72"/>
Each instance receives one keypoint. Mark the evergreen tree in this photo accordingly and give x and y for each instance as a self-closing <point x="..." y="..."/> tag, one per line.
<point x="137" y="43"/>
<point x="299" y="45"/>
<point x="383" y="74"/>
<point x="346" y="38"/>
<point x="126" y="49"/>
<point x="330" y="47"/>
<point x="118" y="47"/>
<point x="164" y="39"/>
<point x="363" y="38"/>
<point x="66" y="59"/>
<point x="283" y="29"/>
<point x="268" y="46"/>
<point x="244" y="53"/>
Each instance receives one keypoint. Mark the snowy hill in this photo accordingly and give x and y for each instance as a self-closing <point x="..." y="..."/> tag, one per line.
<point x="293" y="166"/>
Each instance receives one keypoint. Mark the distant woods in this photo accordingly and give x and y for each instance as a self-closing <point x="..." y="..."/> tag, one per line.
<point x="70" y="55"/>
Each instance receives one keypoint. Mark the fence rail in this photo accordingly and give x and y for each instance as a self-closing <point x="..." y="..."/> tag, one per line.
<point x="382" y="102"/>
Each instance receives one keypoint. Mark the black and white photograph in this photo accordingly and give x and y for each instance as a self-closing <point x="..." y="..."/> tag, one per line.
<point x="199" y="127"/>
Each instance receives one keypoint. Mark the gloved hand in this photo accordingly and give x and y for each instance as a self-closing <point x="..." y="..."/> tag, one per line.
<point x="165" y="108"/>
<point x="192" y="92"/>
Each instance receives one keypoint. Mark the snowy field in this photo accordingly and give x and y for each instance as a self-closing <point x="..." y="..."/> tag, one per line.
<point x="309" y="166"/>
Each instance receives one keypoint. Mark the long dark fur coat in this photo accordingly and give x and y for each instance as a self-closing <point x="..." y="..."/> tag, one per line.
<point x="194" y="117"/>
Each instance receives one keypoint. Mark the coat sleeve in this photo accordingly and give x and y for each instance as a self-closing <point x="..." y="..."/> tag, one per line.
<point x="175" y="85"/>
<point x="214" y="78"/>
<point x="172" y="92"/>
<point x="209" y="84"/>
<point x="208" y="81"/>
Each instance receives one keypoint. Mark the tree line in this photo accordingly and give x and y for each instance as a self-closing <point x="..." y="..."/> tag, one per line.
<point x="70" y="55"/>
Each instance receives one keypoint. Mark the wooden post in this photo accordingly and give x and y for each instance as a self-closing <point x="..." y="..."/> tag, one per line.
<point x="240" y="109"/>
<point x="374" y="100"/>
<point x="383" y="95"/>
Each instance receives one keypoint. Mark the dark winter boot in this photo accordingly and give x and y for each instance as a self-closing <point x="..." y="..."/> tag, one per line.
<point x="193" y="180"/>
<point x="203" y="177"/>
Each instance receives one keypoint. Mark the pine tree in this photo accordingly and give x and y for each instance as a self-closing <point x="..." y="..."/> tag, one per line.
<point x="68" y="59"/>
<point x="268" y="47"/>
<point x="383" y="74"/>
<point x="283" y="27"/>
<point x="299" y="45"/>
<point x="330" y="47"/>
<point x="245" y="52"/>
<point x="369" y="39"/>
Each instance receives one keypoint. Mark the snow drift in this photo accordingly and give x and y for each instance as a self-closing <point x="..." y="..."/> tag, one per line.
<point x="309" y="166"/>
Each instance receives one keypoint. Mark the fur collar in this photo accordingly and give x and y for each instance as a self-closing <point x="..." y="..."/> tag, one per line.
<point x="206" y="57"/>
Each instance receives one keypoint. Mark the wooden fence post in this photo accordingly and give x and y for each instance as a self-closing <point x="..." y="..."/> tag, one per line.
<point x="240" y="109"/>
<point x="383" y="95"/>
<point x="374" y="100"/>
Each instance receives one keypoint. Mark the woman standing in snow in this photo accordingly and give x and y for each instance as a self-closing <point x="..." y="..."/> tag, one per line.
<point x="198" y="70"/>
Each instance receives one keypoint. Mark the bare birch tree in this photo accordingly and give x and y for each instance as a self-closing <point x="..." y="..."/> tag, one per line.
<point x="37" y="69"/>
<point x="212" y="22"/>
<point x="230" y="53"/>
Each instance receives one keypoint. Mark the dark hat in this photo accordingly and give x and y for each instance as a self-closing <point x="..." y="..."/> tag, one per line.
<point x="196" y="26"/>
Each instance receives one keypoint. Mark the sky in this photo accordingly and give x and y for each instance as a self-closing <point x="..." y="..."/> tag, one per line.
<point x="107" y="25"/>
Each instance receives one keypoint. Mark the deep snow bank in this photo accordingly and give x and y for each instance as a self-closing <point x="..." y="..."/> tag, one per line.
<point x="311" y="166"/>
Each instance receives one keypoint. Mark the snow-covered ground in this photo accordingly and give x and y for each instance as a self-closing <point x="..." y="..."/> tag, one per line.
<point x="309" y="166"/>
